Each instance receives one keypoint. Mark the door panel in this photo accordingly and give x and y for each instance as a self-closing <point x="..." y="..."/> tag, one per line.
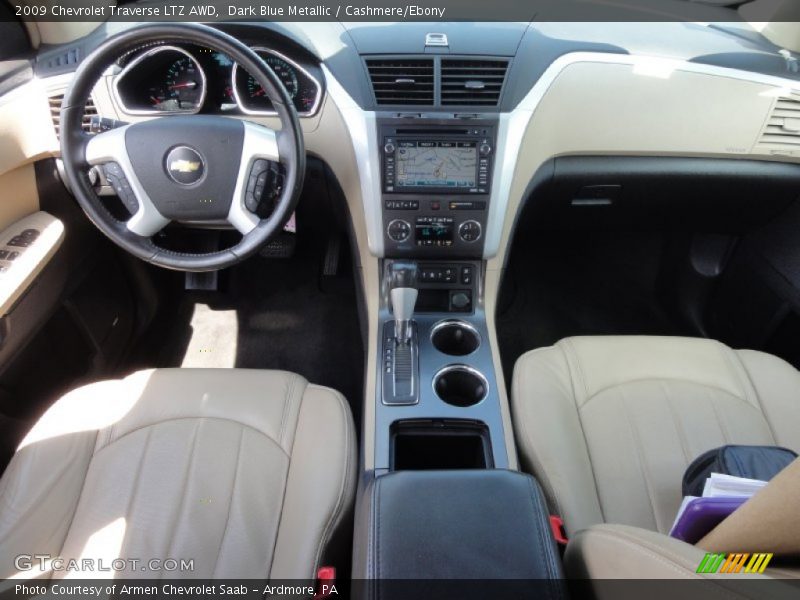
<point x="18" y="195"/>
<point x="26" y="127"/>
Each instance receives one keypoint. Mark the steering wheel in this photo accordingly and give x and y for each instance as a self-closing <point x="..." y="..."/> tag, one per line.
<point x="193" y="168"/>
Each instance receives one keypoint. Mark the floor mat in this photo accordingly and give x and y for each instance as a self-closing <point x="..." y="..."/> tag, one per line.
<point x="561" y="284"/>
<point x="277" y="314"/>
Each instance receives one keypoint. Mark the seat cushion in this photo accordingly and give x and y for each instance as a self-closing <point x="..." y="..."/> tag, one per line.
<point x="609" y="424"/>
<point x="246" y="472"/>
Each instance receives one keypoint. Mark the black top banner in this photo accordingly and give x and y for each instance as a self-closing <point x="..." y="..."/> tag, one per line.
<point x="405" y="10"/>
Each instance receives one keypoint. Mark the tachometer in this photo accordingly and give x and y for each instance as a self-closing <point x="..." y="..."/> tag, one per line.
<point x="164" y="79"/>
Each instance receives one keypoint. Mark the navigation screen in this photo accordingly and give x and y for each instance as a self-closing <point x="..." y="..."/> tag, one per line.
<point x="436" y="164"/>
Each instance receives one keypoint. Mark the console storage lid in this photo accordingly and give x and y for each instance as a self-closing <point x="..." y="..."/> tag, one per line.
<point x="459" y="525"/>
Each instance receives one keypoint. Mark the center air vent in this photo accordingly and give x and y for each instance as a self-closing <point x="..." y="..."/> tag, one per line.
<point x="472" y="82"/>
<point x="783" y="126"/>
<point x="398" y="81"/>
<point x="55" y="113"/>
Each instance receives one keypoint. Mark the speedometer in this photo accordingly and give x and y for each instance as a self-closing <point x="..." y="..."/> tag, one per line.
<point x="183" y="85"/>
<point x="285" y="72"/>
<point x="301" y="87"/>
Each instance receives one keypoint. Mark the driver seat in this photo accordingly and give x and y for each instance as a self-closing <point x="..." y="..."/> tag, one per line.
<point x="248" y="473"/>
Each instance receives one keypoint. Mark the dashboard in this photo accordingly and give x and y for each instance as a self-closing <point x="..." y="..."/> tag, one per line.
<point x="188" y="79"/>
<point x="435" y="151"/>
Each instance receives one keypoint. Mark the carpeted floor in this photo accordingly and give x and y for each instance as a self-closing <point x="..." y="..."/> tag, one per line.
<point x="277" y="314"/>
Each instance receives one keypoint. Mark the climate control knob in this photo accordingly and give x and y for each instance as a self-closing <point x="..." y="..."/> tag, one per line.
<point x="398" y="230"/>
<point x="469" y="231"/>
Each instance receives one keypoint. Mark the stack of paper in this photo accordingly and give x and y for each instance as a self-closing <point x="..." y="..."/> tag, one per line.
<point x="721" y="486"/>
<point x="727" y="486"/>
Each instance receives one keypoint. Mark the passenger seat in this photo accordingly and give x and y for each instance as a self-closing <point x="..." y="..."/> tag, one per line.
<point x="609" y="424"/>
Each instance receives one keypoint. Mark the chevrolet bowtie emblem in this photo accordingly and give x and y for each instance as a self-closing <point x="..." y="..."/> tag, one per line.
<point x="184" y="166"/>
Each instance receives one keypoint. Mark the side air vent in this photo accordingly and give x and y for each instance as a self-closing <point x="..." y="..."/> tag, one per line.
<point x="472" y="82"/>
<point x="783" y="125"/>
<point x="55" y="113"/>
<point x="397" y="81"/>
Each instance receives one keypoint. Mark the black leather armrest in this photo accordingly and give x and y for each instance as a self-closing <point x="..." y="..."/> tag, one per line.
<point x="459" y="525"/>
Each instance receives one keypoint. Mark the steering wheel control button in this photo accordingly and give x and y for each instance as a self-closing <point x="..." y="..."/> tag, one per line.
<point x="116" y="179"/>
<point x="184" y="165"/>
<point x="398" y="230"/>
<point x="469" y="231"/>
<point x="256" y="184"/>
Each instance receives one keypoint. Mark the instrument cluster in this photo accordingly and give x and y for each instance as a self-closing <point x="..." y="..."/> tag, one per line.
<point x="170" y="79"/>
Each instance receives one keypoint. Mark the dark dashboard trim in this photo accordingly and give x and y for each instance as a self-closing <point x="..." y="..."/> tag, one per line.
<point x="712" y="194"/>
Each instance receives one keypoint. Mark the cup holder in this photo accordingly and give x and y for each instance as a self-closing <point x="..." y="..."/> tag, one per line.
<point x="455" y="338"/>
<point x="460" y="385"/>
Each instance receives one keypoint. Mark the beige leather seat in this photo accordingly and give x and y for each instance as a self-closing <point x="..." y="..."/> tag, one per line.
<point x="247" y="473"/>
<point x="609" y="424"/>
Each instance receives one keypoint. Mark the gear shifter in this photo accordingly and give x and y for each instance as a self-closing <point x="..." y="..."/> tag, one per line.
<point x="403" y="295"/>
<point x="399" y="359"/>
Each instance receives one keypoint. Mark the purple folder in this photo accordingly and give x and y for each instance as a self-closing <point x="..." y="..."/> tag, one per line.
<point x="702" y="515"/>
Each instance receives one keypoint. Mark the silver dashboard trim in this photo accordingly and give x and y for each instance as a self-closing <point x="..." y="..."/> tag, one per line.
<point x="283" y="57"/>
<point x="363" y="130"/>
<point x="144" y="56"/>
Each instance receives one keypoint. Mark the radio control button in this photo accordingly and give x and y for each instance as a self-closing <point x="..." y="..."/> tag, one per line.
<point x="401" y="204"/>
<point x="389" y="148"/>
<point x="469" y="231"/>
<point x="398" y="230"/>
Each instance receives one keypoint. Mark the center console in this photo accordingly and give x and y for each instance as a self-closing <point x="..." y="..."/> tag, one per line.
<point x="438" y="403"/>
<point x="438" y="390"/>
<point x="442" y="504"/>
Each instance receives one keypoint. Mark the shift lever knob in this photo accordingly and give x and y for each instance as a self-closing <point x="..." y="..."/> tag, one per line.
<point x="403" y="295"/>
<point x="403" y="301"/>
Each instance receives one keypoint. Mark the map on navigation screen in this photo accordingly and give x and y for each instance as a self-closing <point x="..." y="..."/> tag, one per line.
<point x="436" y="164"/>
